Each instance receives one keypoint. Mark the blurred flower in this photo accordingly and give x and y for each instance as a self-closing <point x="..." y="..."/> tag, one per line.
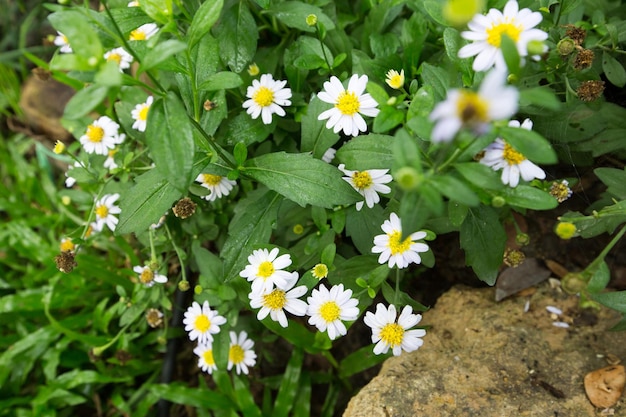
<point x="240" y="353"/>
<point x="387" y="333"/>
<point x="202" y="323"/>
<point x="119" y="55"/>
<point x="311" y="20"/>
<point x="154" y="317"/>
<point x="486" y="33"/>
<point x="66" y="245"/>
<point x="148" y="277"/>
<point x="320" y="271"/>
<point x="327" y="309"/>
<point x="59" y="147"/>
<point x="218" y="185"/>
<point x="392" y="249"/>
<point x="101" y="136"/>
<point x="253" y="69"/>
<point x="105" y="212"/>
<point x="61" y="40"/>
<point x="69" y="180"/>
<point x="368" y="183"/>
<point x="565" y="230"/>
<point x="466" y="108"/>
<point x="329" y="155"/>
<point x="274" y="302"/>
<point x="590" y="90"/>
<point x="395" y="80"/>
<point x="140" y="114"/>
<point x="266" y="98"/>
<point x="265" y="270"/>
<point x="501" y="155"/>
<point x="144" y="32"/>
<point x="459" y="12"/>
<point x="206" y="362"/>
<point x="560" y="190"/>
<point x="349" y="104"/>
<point x="109" y="163"/>
<point x="134" y="3"/>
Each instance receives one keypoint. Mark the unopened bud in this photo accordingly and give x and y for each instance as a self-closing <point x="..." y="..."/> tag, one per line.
<point x="566" y="46"/>
<point x="573" y="283"/>
<point x="311" y="20"/>
<point x="183" y="285"/>
<point x="535" y="47"/>
<point x="408" y="178"/>
<point x="565" y="230"/>
<point x="498" y="201"/>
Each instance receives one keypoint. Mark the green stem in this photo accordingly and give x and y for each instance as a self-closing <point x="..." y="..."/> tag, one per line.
<point x="396" y="295"/>
<point x="600" y="258"/>
<point x="178" y="253"/>
<point x="319" y="37"/>
<point x="457" y="152"/>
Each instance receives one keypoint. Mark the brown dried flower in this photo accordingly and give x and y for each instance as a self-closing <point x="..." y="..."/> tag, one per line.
<point x="184" y="208"/>
<point x="513" y="257"/>
<point x="584" y="59"/>
<point x="65" y="261"/>
<point x="576" y="34"/>
<point x="154" y="317"/>
<point x="590" y="90"/>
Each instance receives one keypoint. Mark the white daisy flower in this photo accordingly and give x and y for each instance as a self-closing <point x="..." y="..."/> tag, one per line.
<point x="240" y="353"/>
<point x="368" y="183"/>
<point x="101" y="136"/>
<point x="274" y="302"/>
<point x="266" y="98"/>
<point x="501" y="155"/>
<point x="62" y="41"/>
<point x="218" y="185"/>
<point x="206" y="362"/>
<point x="465" y="108"/>
<point x="329" y="155"/>
<point x="105" y="212"/>
<point x="386" y="333"/>
<point x="486" y="33"/>
<point x="202" y="323"/>
<point x="144" y="32"/>
<point x="394" y="79"/>
<point x="134" y="3"/>
<point x="140" y="114"/>
<point x="69" y="180"/>
<point x="329" y="308"/>
<point x="265" y="270"/>
<point x="349" y="104"/>
<point x="109" y="163"/>
<point x="392" y="249"/>
<point x="148" y="277"/>
<point x="119" y="55"/>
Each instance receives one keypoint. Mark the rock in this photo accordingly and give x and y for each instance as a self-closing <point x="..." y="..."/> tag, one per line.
<point x="605" y="386"/>
<point x="483" y="358"/>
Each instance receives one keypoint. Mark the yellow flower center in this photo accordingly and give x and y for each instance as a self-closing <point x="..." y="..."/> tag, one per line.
<point x="253" y="70"/>
<point x="330" y="311"/>
<point x="112" y="152"/>
<point x="320" y="271"/>
<point x="95" y="133"/>
<point x="263" y="96"/>
<point x="115" y="57"/>
<point x="471" y="107"/>
<point x="362" y="180"/>
<point x="395" y="245"/>
<point x="67" y="245"/>
<point x="208" y="357"/>
<point x="511" y="156"/>
<point x="137" y="35"/>
<point x="143" y="113"/>
<point x="266" y="269"/>
<point x="65" y="40"/>
<point x="202" y="323"/>
<point x="210" y="179"/>
<point x="395" y="81"/>
<point x="236" y="354"/>
<point x="102" y="211"/>
<point x="392" y="334"/>
<point x="146" y="276"/>
<point x="275" y="300"/>
<point x="348" y="103"/>
<point x="495" y="32"/>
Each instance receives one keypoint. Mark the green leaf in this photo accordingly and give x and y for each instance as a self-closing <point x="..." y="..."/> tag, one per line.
<point x="359" y="361"/>
<point x="145" y="202"/>
<point x="316" y="138"/>
<point x="615" y="300"/>
<point x="540" y="97"/>
<point x="244" y="129"/>
<point x="457" y="213"/>
<point x="302" y="179"/>
<point x="511" y="54"/>
<point x="80" y="34"/>
<point x="296" y="334"/>
<point x="85" y="101"/>
<point x="373" y="151"/>
<point x="455" y="190"/>
<point x="251" y="225"/>
<point x="309" y="62"/>
<point x="600" y="278"/>
<point x="437" y="78"/>
<point x="159" y="10"/>
<point x="614" y="179"/>
<point x="434" y="8"/>
<point x="244" y="398"/>
<point x="221" y="81"/>
<point x="204" y="19"/>
<point x="294" y="13"/>
<point x="388" y="118"/>
<point x="237" y="35"/>
<point x="613" y="70"/>
<point x="209" y="265"/>
<point x="170" y="139"/>
<point x="289" y="385"/>
<point x="401" y="298"/>
<point x="180" y="393"/>
<point x="363" y="225"/>
<point x="480" y="175"/>
<point x="161" y="53"/>
<point x="384" y="45"/>
<point x="483" y="238"/>
<point x="530" y="144"/>
<point x="109" y="75"/>
<point x="529" y="197"/>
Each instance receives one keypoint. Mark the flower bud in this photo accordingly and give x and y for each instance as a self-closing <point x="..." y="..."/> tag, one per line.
<point x="311" y="20"/>
<point x="565" y="46"/>
<point x="565" y="230"/>
<point x="183" y="285"/>
<point x="408" y="178"/>
<point x="535" y="47"/>
<point x="573" y="283"/>
<point x="498" y="201"/>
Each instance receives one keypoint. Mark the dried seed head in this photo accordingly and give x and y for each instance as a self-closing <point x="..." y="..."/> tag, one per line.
<point x="65" y="261"/>
<point x="154" y="317"/>
<point x="513" y="258"/>
<point x="184" y="208"/>
<point x="584" y="59"/>
<point x="566" y="46"/>
<point x="576" y="34"/>
<point x="590" y="90"/>
<point x="561" y="191"/>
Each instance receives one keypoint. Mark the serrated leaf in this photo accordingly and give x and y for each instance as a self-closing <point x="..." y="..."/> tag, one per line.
<point x="237" y="35"/>
<point x="437" y="78"/>
<point x="221" y="81"/>
<point x="85" y="101"/>
<point x="529" y="197"/>
<point x="204" y="19"/>
<point x="316" y="138"/>
<point x="302" y="179"/>
<point x="244" y="129"/>
<point x="614" y="179"/>
<point x="170" y="139"/>
<point x="80" y="34"/>
<point x="161" y="53"/>
<point x="373" y="151"/>
<point x="613" y="70"/>
<point x="480" y="175"/>
<point x="483" y="239"/>
<point x="530" y="144"/>
<point x="455" y="190"/>
<point x="388" y="118"/>
<point x="615" y="300"/>
<point x="294" y="13"/>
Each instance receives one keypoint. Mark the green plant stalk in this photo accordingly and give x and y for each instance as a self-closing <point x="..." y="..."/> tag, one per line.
<point x="319" y="37"/>
<point x="178" y="253"/>
<point x="595" y="264"/>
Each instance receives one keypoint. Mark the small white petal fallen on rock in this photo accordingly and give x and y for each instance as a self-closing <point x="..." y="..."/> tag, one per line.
<point x="560" y="324"/>
<point x="527" y="306"/>
<point x="554" y="310"/>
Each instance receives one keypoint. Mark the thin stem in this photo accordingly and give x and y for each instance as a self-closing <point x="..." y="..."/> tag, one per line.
<point x="179" y="254"/>
<point x="396" y="295"/>
<point x="319" y="37"/>
<point x="600" y="258"/>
